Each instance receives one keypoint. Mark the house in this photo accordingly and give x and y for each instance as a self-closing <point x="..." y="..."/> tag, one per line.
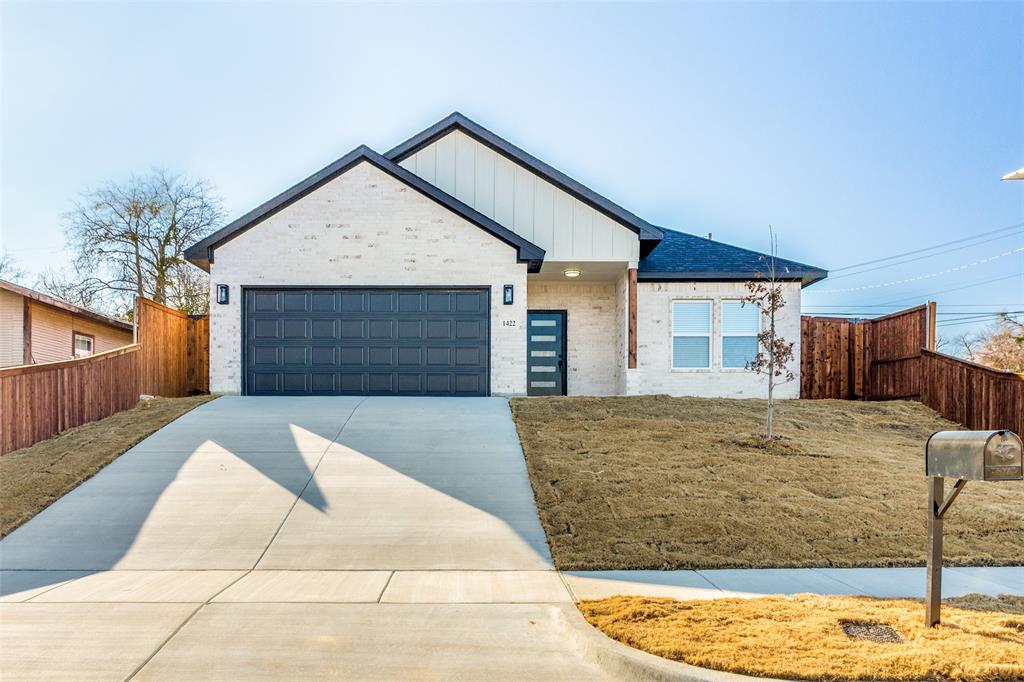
<point x="37" y="328"/>
<point x="459" y="264"/>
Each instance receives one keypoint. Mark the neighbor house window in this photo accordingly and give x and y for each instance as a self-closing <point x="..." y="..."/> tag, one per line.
<point x="691" y="334"/>
<point x="741" y="323"/>
<point x="83" y="345"/>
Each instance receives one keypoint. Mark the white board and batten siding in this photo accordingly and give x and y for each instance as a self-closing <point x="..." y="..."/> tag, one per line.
<point x="565" y="227"/>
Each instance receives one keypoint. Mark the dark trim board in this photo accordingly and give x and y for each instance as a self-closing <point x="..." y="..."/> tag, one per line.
<point x="202" y="252"/>
<point x="395" y="343"/>
<point x="457" y="121"/>
<point x="805" y="278"/>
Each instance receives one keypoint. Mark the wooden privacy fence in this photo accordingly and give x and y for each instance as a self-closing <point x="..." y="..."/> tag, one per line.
<point x="175" y="350"/>
<point x="877" y="359"/>
<point x="170" y="358"/>
<point x="892" y="358"/>
<point x="38" y="401"/>
<point x="976" y="396"/>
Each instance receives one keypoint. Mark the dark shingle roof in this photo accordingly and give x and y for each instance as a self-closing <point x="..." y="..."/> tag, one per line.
<point x="682" y="256"/>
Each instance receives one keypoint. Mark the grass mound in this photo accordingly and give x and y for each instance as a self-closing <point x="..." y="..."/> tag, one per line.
<point x="655" y="482"/>
<point x="33" y="478"/>
<point x="808" y="637"/>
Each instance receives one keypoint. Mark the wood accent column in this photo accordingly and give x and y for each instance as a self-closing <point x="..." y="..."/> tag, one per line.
<point x="632" y="318"/>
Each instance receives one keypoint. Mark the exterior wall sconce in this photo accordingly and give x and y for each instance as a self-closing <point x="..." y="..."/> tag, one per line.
<point x="223" y="294"/>
<point x="572" y="272"/>
<point x="507" y="296"/>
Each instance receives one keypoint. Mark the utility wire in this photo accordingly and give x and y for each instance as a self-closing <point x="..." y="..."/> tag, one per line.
<point x="946" y="291"/>
<point x="926" y="256"/>
<point x="930" y="275"/>
<point x="930" y="248"/>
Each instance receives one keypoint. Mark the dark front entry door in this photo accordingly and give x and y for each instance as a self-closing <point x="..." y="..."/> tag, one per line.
<point x="545" y="346"/>
<point x="367" y="341"/>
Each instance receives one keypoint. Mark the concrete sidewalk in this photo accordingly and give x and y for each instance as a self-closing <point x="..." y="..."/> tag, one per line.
<point x="715" y="584"/>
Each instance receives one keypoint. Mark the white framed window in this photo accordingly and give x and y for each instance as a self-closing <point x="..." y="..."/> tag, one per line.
<point x="691" y="334"/>
<point x="83" y="344"/>
<point x="741" y="323"/>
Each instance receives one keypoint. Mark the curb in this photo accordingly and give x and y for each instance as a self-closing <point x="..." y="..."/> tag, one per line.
<point x="626" y="663"/>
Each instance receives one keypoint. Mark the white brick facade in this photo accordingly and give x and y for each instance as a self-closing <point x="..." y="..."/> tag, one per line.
<point x="367" y="228"/>
<point x="654" y="373"/>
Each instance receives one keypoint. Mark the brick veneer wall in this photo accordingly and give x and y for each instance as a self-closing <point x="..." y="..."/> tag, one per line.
<point x="367" y="228"/>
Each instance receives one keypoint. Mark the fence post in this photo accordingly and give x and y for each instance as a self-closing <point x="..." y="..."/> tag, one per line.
<point x="931" y="325"/>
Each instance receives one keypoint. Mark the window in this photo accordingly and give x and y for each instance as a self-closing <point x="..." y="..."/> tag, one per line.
<point x="741" y="324"/>
<point x="691" y="334"/>
<point x="83" y="344"/>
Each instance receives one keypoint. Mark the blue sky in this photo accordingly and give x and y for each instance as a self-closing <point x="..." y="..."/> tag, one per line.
<point x="858" y="130"/>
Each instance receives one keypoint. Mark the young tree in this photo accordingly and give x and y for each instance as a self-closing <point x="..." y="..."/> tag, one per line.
<point x="774" y="352"/>
<point x="129" y="239"/>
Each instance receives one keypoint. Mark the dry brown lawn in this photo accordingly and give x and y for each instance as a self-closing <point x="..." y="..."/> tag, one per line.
<point x="662" y="483"/>
<point x="33" y="478"/>
<point x="802" y="637"/>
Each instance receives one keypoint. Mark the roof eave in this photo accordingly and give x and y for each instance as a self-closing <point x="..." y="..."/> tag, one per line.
<point x="54" y="302"/>
<point x="805" y="277"/>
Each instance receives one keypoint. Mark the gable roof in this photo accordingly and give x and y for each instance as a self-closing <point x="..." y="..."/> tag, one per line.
<point x="202" y="252"/>
<point x="649" y="234"/>
<point x="682" y="257"/>
<point x="64" y="305"/>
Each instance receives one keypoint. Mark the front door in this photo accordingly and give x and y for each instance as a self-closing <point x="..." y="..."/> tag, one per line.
<point x="545" y="346"/>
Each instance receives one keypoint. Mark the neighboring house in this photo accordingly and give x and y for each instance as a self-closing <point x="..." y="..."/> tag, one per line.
<point x="36" y="328"/>
<point x="458" y="264"/>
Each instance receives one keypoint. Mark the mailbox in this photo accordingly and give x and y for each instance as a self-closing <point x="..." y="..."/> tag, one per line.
<point x="975" y="455"/>
<point x="963" y="456"/>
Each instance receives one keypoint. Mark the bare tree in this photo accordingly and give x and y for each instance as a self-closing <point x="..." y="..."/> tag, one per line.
<point x="1000" y="346"/>
<point x="129" y="239"/>
<point x="188" y="290"/>
<point x="10" y="269"/>
<point x="966" y="346"/>
<point x="774" y="353"/>
<point x="67" y="286"/>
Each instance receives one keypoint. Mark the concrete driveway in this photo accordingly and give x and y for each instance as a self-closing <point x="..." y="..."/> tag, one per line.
<point x="295" y="538"/>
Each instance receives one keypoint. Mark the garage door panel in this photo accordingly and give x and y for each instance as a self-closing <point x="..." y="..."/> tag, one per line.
<point x="265" y="329"/>
<point x="266" y="302"/>
<point x="353" y="329"/>
<point x="375" y="341"/>
<point x="295" y="356"/>
<point x="323" y="302"/>
<point x="324" y="329"/>
<point x="382" y="329"/>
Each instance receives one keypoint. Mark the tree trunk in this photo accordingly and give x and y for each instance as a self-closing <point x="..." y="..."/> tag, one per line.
<point x="771" y="373"/>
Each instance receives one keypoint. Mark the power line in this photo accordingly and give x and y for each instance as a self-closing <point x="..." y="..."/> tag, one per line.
<point x="972" y="320"/>
<point x="929" y="248"/>
<point x="946" y="291"/>
<point x="930" y="275"/>
<point x="926" y="256"/>
<point x="944" y="305"/>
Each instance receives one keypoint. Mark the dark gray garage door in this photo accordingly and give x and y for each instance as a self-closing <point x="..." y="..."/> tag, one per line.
<point x="373" y="341"/>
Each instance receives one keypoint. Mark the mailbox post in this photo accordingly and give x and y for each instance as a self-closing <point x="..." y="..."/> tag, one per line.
<point x="963" y="456"/>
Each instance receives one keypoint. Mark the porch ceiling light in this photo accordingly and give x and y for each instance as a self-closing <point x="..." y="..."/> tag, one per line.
<point x="572" y="272"/>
